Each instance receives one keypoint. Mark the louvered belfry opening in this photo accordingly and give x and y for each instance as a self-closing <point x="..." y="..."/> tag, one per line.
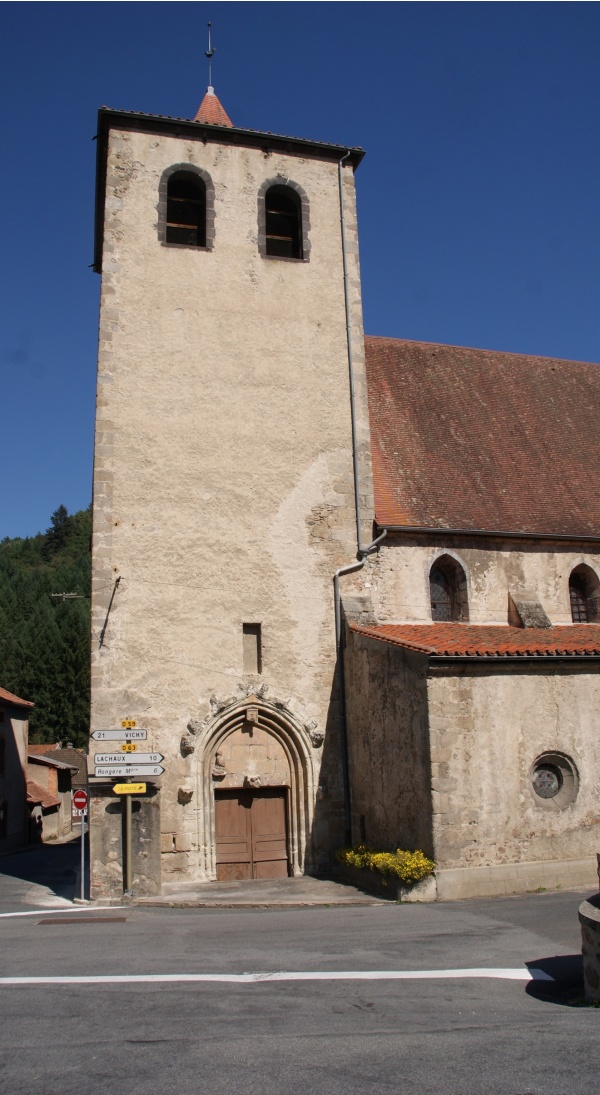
<point x="584" y="593"/>
<point x="448" y="591"/>
<point x="283" y="215"/>
<point x="186" y="210"/>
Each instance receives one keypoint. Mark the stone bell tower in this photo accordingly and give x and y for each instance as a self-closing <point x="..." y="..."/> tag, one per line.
<point x="224" y="490"/>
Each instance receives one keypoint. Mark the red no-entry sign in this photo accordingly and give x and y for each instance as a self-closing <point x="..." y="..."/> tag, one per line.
<point x="80" y="800"/>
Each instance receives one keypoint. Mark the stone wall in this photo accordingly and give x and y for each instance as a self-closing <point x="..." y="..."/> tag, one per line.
<point x="398" y="577"/>
<point x="487" y="726"/>
<point x="106" y="819"/>
<point x="223" y="488"/>
<point x="251" y="756"/>
<point x="388" y="740"/>
<point x="441" y="758"/>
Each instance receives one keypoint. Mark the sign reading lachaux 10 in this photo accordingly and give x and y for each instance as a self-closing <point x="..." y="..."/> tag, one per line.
<point x="128" y="760"/>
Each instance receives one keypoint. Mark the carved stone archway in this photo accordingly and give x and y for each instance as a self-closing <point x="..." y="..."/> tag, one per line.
<point x="294" y="744"/>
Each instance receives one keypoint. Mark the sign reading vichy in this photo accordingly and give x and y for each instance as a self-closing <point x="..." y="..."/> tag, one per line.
<point x="119" y="735"/>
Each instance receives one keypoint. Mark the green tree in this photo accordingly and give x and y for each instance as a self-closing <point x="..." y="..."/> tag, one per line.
<point x="44" y="640"/>
<point x="59" y="533"/>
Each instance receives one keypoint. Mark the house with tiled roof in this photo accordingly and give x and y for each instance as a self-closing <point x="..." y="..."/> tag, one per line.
<point x="75" y="758"/>
<point x="49" y="792"/>
<point x="348" y="587"/>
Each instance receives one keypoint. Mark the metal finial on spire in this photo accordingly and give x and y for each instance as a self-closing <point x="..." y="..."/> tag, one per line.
<point x="208" y="53"/>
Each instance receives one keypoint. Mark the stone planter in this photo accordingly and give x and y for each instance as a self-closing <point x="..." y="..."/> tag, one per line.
<point x="389" y="886"/>
<point x="589" y="918"/>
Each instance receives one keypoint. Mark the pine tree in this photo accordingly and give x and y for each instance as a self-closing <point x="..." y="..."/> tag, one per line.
<point x="57" y="536"/>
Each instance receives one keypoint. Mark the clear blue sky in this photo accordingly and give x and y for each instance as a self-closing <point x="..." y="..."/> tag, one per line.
<point x="478" y="198"/>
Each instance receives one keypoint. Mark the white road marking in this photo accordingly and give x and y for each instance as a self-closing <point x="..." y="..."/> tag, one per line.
<point x="519" y="974"/>
<point x="45" y="911"/>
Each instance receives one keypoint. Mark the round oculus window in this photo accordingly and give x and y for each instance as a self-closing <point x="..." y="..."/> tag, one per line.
<point x="547" y="780"/>
<point x="554" y="780"/>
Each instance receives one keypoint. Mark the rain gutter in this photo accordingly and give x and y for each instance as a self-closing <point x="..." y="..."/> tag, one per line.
<point x="362" y="550"/>
<point x="504" y="533"/>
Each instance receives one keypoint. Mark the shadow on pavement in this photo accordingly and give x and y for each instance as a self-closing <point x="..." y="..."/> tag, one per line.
<point x="566" y="986"/>
<point x="52" y="866"/>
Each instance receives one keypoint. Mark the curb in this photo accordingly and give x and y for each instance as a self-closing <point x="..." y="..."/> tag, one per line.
<point x="164" y="903"/>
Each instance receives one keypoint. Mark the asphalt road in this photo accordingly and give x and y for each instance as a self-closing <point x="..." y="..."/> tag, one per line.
<point x="455" y="1036"/>
<point x="44" y="876"/>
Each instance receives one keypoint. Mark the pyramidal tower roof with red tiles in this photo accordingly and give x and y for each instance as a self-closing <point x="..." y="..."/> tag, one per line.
<point x="211" y="112"/>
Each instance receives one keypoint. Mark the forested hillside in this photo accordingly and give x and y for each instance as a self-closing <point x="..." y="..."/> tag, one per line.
<point x="45" y="640"/>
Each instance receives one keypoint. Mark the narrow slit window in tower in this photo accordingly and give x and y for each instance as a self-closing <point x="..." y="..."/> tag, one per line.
<point x="251" y="639"/>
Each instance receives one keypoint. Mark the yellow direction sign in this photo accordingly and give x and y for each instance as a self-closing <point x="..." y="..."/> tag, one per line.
<point x="129" y="724"/>
<point x="129" y="788"/>
<point x="128" y="747"/>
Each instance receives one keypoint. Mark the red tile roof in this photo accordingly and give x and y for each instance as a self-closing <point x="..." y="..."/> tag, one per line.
<point x="10" y="698"/>
<point x="37" y="795"/>
<point x="475" y="439"/>
<point x="488" y="640"/>
<point x="45" y="758"/>
<point x="211" y="111"/>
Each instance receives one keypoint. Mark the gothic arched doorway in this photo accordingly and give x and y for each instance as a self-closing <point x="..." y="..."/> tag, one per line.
<point x="257" y="794"/>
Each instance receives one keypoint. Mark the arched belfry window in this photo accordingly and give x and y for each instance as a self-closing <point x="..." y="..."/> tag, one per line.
<point x="186" y="207"/>
<point x="584" y="593"/>
<point x="448" y="590"/>
<point x="186" y="210"/>
<point x="283" y="220"/>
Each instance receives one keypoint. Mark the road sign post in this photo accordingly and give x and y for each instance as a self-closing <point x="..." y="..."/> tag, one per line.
<point x="80" y="802"/>
<point x="128" y="879"/>
<point x="125" y="764"/>
<point x="127" y="790"/>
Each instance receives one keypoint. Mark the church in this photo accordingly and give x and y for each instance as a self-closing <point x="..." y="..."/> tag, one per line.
<point x="348" y="586"/>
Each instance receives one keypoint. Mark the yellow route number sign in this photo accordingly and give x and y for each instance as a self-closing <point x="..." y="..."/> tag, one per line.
<point x="129" y="724"/>
<point x="128" y="747"/>
<point x="129" y="788"/>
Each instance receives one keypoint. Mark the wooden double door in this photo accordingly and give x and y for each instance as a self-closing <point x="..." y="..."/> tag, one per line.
<point x="251" y="834"/>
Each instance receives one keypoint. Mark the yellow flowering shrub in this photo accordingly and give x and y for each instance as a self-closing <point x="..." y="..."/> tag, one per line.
<point x="408" y="866"/>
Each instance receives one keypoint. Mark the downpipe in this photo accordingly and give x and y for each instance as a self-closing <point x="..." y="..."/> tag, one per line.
<point x="363" y="551"/>
<point x="358" y="565"/>
<point x="350" y="353"/>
